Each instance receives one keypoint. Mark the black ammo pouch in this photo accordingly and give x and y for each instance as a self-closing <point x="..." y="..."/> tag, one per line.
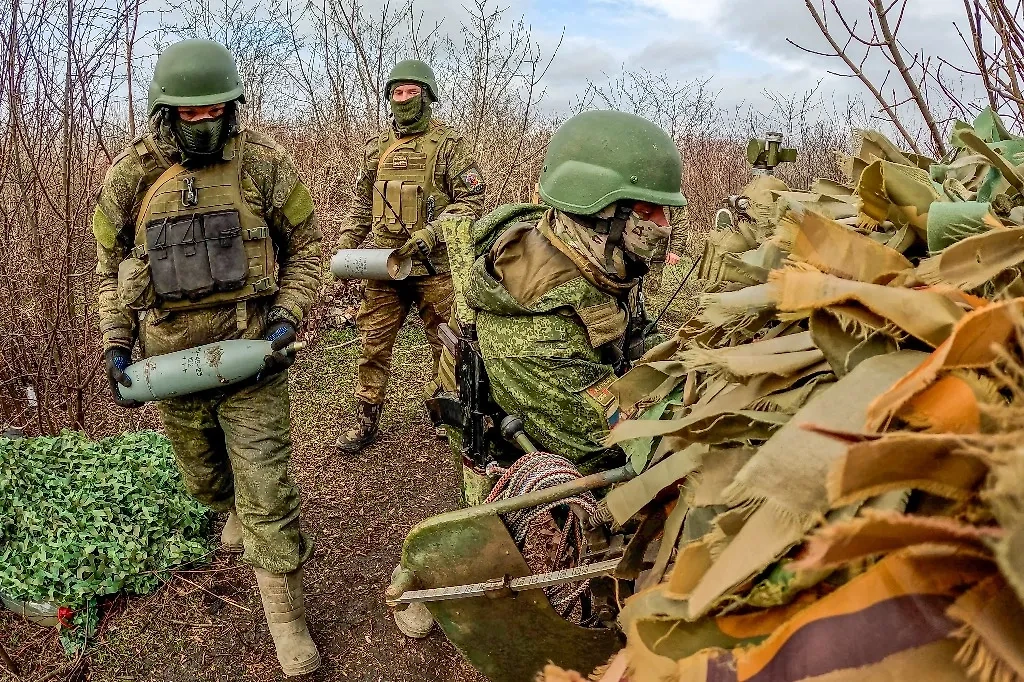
<point x="190" y="257"/>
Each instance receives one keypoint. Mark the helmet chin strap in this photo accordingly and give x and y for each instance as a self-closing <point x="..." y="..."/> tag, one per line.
<point x="613" y="226"/>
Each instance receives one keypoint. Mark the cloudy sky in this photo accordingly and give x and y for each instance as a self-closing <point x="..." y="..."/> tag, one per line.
<point x="740" y="44"/>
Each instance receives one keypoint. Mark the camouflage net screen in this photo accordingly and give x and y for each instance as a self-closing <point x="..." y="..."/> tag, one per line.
<point x="834" y="438"/>
<point x="80" y="519"/>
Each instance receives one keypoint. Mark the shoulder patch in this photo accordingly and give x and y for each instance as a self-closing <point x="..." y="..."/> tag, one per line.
<point x="473" y="180"/>
<point x="299" y="205"/>
<point x="103" y="229"/>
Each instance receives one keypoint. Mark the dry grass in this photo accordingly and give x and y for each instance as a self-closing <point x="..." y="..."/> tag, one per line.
<point x="316" y="85"/>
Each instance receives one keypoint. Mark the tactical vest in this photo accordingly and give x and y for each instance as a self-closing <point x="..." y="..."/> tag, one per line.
<point x="407" y="185"/>
<point x="204" y="244"/>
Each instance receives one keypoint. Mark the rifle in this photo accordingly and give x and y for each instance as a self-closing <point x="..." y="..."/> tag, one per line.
<point x="419" y="245"/>
<point x="474" y="413"/>
<point x="622" y="354"/>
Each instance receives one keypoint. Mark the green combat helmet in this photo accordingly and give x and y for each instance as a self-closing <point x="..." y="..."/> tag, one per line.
<point x="600" y="157"/>
<point x="194" y="73"/>
<point x="413" y="71"/>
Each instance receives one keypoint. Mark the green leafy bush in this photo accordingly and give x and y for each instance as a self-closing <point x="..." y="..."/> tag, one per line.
<point x="81" y="519"/>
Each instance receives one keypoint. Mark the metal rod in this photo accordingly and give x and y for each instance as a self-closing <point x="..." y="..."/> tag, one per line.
<point x="529" y="582"/>
<point x="696" y="262"/>
<point x="558" y="492"/>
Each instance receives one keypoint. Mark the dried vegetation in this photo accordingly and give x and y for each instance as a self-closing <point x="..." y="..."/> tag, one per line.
<point x="73" y="79"/>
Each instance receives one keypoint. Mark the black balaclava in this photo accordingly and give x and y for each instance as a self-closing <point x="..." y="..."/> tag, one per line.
<point x="203" y="141"/>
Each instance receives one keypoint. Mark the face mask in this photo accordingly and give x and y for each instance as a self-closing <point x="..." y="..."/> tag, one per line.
<point x="408" y="112"/>
<point x="201" y="138"/>
<point x="641" y="238"/>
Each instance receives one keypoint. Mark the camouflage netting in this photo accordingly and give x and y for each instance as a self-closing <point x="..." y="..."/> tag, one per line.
<point x="837" y="433"/>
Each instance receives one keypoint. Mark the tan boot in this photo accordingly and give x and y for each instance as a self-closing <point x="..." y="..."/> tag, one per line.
<point x="231" y="535"/>
<point x="286" y="616"/>
<point x="415" y="620"/>
<point x="364" y="432"/>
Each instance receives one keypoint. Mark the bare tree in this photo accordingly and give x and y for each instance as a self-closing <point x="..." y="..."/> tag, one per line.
<point x="58" y="90"/>
<point x="916" y="85"/>
<point x="259" y="41"/>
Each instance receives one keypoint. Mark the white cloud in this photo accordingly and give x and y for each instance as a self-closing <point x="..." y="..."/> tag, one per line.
<point x="699" y="11"/>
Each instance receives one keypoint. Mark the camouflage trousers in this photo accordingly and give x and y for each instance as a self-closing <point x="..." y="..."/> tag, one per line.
<point x="652" y="281"/>
<point x="233" y="448"/>
<point x="381" y="316"/>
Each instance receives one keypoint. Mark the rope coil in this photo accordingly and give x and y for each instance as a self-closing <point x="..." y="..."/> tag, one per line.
<point x="537" y="471"/>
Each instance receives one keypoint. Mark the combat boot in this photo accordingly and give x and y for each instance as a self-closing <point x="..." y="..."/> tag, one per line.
<point x="364" y="432"/>
<point x="286" y="616"/>
<point x="231" y="534"/>
<point x="415" y="621"/>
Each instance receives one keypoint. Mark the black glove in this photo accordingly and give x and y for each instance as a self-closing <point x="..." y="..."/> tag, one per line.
<point x="117" y="359"/>
<point x="280" y="334"/>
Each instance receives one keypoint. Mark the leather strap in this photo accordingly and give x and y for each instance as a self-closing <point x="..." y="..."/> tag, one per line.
<point x="398" y="143"/>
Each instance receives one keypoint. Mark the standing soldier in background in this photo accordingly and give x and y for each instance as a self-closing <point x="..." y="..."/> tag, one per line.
<point x="204" y="233"/>
<point x="669" y="252"/>
<point x="413" y="173"/>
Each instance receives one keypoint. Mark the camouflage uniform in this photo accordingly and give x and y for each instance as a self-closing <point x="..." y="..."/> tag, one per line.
<point x="544" y="316"/>
<point x="232" y="445"/>
<point x="676" y="243"/>
<point x="459" y="191"/>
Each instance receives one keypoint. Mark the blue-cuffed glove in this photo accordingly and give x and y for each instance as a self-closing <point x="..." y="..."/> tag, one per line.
<point x="280" y="334"/>
<point x="117" y="359"/>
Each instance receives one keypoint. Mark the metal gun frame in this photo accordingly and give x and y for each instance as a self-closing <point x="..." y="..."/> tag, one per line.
<point x="466" y="569"/>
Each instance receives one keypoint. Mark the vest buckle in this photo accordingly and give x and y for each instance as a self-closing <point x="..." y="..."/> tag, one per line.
<point x="261" y="285"/>
<point x="189" y="195"/>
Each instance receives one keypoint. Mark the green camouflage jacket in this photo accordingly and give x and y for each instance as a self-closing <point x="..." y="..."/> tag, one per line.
<point x="455" y="173"/>
<point x="271" y="187"/>
<point x="542" y="317"/>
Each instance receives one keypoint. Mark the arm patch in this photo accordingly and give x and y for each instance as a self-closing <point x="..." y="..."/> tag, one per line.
<point x="299" y="205"/>
<point x="473" y="180"/>
<point x="103" y="229"/>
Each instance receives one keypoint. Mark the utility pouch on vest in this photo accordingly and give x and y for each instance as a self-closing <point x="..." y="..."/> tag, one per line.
<point x="403" y="198"/>
<point x="178" y="262"/>
<point x="224" y="245"/>
<point x="189" y="257"/>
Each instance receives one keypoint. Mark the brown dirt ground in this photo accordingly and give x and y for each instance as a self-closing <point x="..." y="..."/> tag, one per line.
<point x="208" y="625"/>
